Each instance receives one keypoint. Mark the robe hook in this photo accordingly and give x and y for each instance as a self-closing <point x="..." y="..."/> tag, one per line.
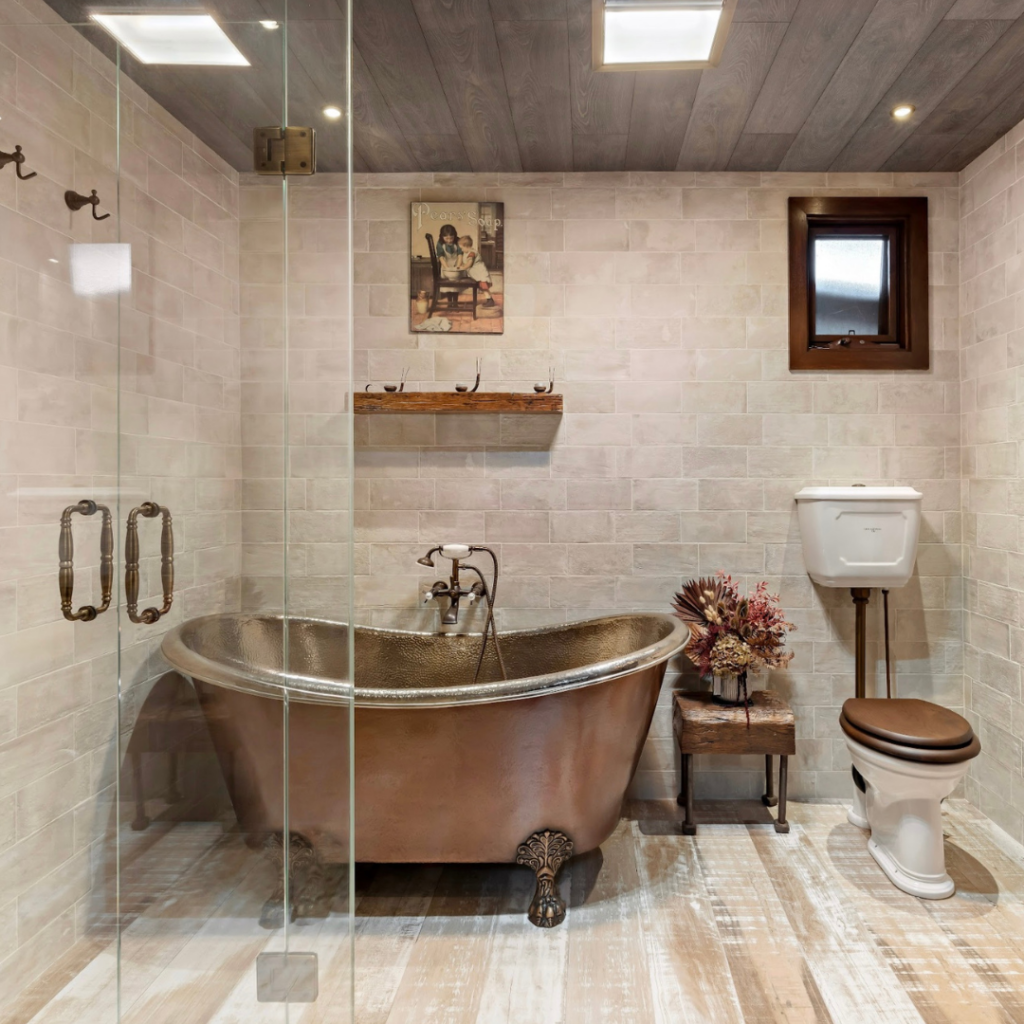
<point x="76" y="202"/>
<point x="17" y="158"/>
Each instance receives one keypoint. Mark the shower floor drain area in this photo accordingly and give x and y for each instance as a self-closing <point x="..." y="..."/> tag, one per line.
<point x="287" y="978"/>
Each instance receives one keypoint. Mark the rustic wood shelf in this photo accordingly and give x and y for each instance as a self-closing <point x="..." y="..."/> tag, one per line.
<point x="452" y="401"/>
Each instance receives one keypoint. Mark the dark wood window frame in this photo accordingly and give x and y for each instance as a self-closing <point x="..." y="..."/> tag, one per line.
<point x="904" y="343"/>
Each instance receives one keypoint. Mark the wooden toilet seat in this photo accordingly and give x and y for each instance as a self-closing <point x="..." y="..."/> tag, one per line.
<point x="910" y="729"/>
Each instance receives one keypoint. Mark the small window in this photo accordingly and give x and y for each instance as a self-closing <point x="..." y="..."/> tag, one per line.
<point x="858" y="284"/>
<point x="652" y="35"/>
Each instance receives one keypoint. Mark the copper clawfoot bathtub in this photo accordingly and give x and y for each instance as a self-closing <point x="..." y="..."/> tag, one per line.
<point x="530" y="770"/>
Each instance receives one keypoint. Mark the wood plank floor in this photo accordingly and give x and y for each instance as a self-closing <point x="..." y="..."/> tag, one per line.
<point x="737" y="924"/>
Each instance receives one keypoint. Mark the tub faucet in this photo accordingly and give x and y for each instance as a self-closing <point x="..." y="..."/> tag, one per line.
<point x="455" y="592"/>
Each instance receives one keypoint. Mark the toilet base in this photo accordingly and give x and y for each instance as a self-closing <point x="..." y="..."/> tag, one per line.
<point x="934" y="888"/>
<point x="901" y="805"/>
<point x="857" y="819"/>
<point x="857" y="814"/>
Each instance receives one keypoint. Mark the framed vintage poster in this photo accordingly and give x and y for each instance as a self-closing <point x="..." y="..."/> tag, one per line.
<point x="457" y="272"/>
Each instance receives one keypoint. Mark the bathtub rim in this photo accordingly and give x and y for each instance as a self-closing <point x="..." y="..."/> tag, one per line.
<point x="278" y="685"/>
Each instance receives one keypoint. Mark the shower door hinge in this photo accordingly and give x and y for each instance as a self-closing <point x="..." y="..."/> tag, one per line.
<point x="290" y="150"/>
<point x="286" y="978"/>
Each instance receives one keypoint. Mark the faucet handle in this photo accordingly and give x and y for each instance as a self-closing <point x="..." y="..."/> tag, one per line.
<point x="456" y="550"/>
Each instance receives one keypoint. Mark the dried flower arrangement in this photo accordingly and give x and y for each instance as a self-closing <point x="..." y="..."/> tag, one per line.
<point x="730" y="634"/>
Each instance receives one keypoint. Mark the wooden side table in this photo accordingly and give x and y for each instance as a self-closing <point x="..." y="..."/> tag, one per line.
<point x="703" y="727"/>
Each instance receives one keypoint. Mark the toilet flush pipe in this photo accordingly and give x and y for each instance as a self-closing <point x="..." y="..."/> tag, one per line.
<point x="888" y="658"/>
<point x="861" y="596"/>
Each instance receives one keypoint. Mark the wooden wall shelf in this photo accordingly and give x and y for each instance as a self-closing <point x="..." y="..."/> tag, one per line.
<point x="452" y="401"/>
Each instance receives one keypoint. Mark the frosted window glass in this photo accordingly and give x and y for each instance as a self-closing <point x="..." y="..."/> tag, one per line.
<point x="849" y="282"/>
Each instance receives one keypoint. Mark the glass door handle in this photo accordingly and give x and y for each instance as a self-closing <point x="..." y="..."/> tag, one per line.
<point x="66" y="554"/>
<point x="149" y="509"/>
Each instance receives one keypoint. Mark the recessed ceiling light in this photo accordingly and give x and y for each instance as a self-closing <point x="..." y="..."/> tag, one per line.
<point x="903" y="111"/>
<point x="636" y="33"/>
<point x="270" y="25"/>
<point x="172" y="38"/>
<point x="332" y="112"/>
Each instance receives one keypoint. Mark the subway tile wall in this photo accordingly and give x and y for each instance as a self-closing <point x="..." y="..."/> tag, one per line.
<point x="661" y="300"/>
<point x="992" y="357"/>
<point x="310" y="442"/>
<point x="180" y="445"/>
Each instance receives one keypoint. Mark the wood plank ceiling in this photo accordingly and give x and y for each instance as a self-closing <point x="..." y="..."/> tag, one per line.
<point x="506" y="85"/>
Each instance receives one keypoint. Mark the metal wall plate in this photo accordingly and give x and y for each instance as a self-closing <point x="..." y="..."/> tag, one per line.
<point x="287" y="978"/>
<point x="290" y="150"/>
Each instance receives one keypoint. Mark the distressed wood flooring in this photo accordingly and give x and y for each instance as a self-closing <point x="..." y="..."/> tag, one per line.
<point x="737" y="924"/>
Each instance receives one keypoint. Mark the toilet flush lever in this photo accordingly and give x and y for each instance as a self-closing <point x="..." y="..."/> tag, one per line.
<point x="149" y="509"/>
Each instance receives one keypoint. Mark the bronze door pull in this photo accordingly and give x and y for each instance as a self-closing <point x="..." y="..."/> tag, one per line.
<point x="149" y="509"/>
<point x="66" y="553"/>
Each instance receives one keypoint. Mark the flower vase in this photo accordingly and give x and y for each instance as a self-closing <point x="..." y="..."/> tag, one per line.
<point x="730" y="689"/>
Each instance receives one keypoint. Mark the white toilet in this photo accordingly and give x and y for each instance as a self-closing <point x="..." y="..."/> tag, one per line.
<point x="908" y="755"/>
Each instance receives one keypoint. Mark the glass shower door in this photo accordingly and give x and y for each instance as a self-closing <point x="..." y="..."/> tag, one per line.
<point x="258" y="928"/>
<point x="175" y="346"/>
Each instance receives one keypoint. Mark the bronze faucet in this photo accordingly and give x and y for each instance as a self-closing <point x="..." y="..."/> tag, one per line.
<point x="455" y="591"/>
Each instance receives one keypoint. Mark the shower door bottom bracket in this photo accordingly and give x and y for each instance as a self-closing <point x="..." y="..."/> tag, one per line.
<point x="287" y="978"/>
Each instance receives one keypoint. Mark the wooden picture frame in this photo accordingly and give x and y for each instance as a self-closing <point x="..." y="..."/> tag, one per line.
<point x="717" y="49"/>
<point x="902" y="340"/>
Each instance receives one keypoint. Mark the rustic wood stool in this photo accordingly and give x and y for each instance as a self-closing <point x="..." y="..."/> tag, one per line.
<point x="704" y="727"/>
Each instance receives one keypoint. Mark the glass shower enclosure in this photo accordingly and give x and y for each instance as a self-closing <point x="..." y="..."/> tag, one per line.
<point x="175" y="459"/>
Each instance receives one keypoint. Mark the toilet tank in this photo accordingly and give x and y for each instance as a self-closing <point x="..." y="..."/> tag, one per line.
<point x="859" y="536"/>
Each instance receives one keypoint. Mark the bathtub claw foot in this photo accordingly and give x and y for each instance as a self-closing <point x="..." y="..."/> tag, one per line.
<point x="545" y="852"/>
<point x="309" y="885"/>
<point x="307" y="881"/>
<point x="272" y="914"/>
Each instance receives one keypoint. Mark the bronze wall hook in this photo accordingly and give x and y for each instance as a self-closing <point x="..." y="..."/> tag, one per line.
<point x="149" y="509"/>
<point x="17" y="158"/>
<point x="465" y="388"/>
<point x="76" y="202"/>
<point x="541" y="389"/>
<point x="393" y="389"/>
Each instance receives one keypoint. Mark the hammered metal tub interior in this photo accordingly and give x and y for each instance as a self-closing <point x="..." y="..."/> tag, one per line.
<point x="443" y="771"/>
<point x="405" y="668"/>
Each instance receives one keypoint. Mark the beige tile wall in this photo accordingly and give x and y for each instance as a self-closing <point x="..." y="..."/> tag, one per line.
<point x="992" y="329"/>
<point x="311" y="445"/>
<point x="179" y="412"/>
<point x="661" y="300"/>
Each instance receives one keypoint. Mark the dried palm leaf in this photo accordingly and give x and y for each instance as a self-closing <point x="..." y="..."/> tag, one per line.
<point x="697" y="597"/>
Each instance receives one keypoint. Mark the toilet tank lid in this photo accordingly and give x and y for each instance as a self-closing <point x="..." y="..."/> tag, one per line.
<point x="858" y="494"/>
